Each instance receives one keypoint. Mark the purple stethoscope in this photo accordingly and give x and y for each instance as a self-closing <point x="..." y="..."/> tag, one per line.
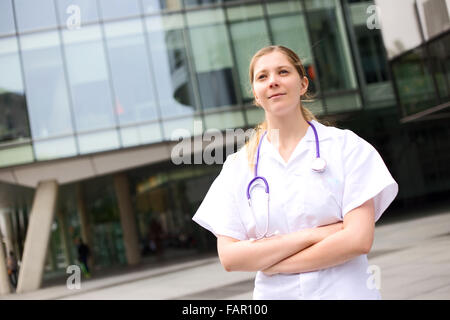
<point x="318" y="165"/>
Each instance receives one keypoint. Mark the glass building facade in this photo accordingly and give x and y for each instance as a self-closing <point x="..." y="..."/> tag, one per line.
<point x="84" y="77"/>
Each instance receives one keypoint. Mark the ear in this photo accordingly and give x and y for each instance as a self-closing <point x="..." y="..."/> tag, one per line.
<point x="304" y="83"/>
<point x="256" y="98"/>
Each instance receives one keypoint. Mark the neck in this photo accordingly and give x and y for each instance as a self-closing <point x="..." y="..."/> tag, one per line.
<point x="285" y="132"/>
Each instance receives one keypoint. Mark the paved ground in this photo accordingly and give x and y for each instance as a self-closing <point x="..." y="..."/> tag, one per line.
<point x="413" y="256"/>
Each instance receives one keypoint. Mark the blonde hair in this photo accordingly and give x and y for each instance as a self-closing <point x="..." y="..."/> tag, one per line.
<point x="293" y="58"/>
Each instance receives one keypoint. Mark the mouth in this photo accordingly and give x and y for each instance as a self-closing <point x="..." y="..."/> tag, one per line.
<point x="276" y="95"/>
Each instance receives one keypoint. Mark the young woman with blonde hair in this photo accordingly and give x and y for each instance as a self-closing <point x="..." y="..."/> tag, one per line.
<point x="298" y="203"/>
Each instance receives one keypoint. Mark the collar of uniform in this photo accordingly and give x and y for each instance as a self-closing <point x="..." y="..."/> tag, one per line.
<point x="322" y="133"/>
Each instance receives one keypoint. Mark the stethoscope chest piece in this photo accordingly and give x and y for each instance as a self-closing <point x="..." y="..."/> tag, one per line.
<point x="319" y="165"/>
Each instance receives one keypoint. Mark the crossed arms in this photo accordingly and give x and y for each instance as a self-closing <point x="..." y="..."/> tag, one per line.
<point x="304" y="250"/>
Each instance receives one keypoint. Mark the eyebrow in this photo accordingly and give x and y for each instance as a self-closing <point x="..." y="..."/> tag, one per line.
<point x="279" y="67"/>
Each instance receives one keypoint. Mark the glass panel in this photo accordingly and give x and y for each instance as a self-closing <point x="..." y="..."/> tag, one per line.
<point x="35" y="14"/>
<point x="72" y="12"/>
<point x="98" y="141"/>
<point x="291" y="31"/>
<point x="414" y="82"/>
<point x="152" y="6"/>
<point x="180" y="128"/>
<point x="315" y="106"/>
<point x="133" y="85"/>
<point x="88" y="78"/>
<point x="55" y="148"/>
<point x="16" y="155"/>
<point x="212" y="58"/>
<point x="343" y="103"/>
<point x="14" y="117"/>
<point x="327" y="30"/>
<point x="227" y="120"/>
<point x="248" y="37"/>
<point x="283" y="7"/>
<point x="6" y="17"/>
<point x="47" y="98"/>
<point x="439" y="56"/>
<point x="255" y="116"/>
<point x="143" y="134"/>
<point x="379" y="94"/>
<point x="244" y="12"/>
<point x="170" y="65"/>
<point x="194" y="3"/>
<point x="119" y="8"/>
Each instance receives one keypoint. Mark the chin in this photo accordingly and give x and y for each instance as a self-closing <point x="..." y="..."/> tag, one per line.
<point x="282" y="111"/>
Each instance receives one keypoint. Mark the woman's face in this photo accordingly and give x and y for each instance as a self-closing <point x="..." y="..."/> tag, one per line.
<point x="277" y="86"/>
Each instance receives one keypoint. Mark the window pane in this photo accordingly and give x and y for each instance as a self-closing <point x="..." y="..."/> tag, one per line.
<point x="212" y="58"/>
<point x="17" y="155"/>
<point x="414" y="82"/>
<point x="55" y="148"/>
<point x="47" y="98"/>
<point x="35" y="14"/>
<point x="283" y="7"/>
<point x="70" y="10"/>
<point x="248" y="37"/>
<point x="439" y="51"/>
<point x="332" y="51"/>
<point x="98" y="141"/>
<point x="315" y="106"/>
<point x="170" y="65"/>
<point x="6" y="17"/>
<point x="255" y="115"/>
<point x="181" y="127"/>
<point x="119" y="8"/>
<point x="222" y="121"/>
<point x="343" y="103"/>
<point x="88" y="77"/>
<point x="194" y="3"/>
<point x="143" y="134"/>
<point x="13" y="109"/>
<point x="133" y="85"/>
<point x="152" y="6"/>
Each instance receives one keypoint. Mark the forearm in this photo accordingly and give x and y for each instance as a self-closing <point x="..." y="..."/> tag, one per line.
<point x="254" y="255"/>
<point x="336" y="249"/>
<point x="260" y="254"/>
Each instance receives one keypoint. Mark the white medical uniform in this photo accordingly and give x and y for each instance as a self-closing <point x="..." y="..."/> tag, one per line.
<point x="299" y="199"/>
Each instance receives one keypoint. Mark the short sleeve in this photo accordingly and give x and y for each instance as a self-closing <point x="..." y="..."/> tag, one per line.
<point x="218" y="212"/>
<point x="366" y="176"/>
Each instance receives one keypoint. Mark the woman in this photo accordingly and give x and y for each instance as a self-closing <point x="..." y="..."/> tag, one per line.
<point x="310" y="238"/>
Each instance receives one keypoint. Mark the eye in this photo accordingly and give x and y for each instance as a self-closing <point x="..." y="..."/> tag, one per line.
<point x="261" y="76"/>
<point x="283" y="71"/>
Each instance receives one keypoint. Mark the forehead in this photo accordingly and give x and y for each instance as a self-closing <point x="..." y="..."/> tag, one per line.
<point x="271" y="61"/>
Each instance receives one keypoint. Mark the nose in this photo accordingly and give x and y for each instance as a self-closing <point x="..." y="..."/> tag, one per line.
<point x="273" y="81"/>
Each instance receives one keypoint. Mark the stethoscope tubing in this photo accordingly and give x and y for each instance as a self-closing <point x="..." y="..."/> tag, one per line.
<point x="256" y="177"/>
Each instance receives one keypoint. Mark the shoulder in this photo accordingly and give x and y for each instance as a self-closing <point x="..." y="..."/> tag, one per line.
<point x="346" y="139"/>
<point x="237" y="159"/>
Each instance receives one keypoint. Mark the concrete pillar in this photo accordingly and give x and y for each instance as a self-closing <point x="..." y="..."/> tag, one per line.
<point x="127" y="219"/>
<point x="5" y="288"/>
<point x="85" y="226"/>
<point x="38" y="235"/>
